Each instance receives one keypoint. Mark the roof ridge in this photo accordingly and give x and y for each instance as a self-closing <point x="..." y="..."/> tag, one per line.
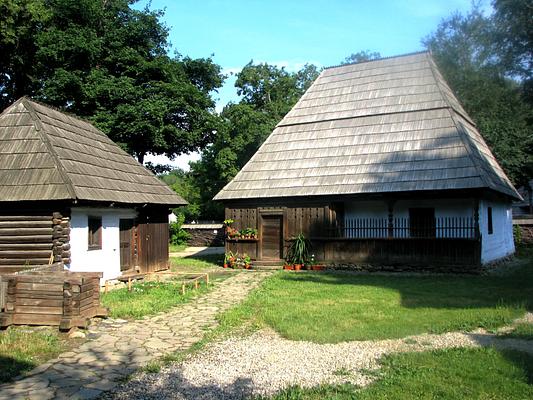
<point x="39" y="128"/>
<point x="378" y="59"/>
<point x="433" y="66"/>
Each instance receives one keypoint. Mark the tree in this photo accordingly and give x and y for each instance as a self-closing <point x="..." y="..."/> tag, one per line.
<point x="183" y="184"/>
<point x="467" y="52"/>
<point x="361" y="56"/>
<point x="268" y="93"/>
<point x="105" y="61"/>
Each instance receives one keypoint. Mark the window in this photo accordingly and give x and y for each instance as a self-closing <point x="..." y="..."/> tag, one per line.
<point x="489" y="220"/>
<point x="422" y="222"/>
<point x="95" y="233"/>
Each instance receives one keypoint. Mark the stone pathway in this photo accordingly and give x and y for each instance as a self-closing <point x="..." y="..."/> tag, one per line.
<point x="116" y="348"/>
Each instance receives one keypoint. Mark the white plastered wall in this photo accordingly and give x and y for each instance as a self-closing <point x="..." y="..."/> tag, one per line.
<point x="107" y="259"/>
<point x="500" y="243"/>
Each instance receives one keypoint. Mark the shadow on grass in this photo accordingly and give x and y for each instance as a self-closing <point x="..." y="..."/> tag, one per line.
<point x="11" y="367"/>
<point x="438" y="291"/>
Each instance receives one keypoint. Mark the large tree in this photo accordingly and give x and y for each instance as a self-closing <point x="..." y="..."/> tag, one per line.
<point x="104" y="60"/>
<point x="467" y="49"/>
<point x="268" y="93"/>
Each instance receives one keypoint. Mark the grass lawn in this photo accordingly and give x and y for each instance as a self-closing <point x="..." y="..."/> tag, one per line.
<point x="173" y="248"/>
<point x="147" y="298"/>
<point x="336" y="307"/>
<point x="445" y="374"/>
<point x="23" y="348"/>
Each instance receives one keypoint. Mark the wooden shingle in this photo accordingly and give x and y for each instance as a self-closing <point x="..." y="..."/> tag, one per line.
<point x="374" y="127"/>
<point x="48" y="155"/>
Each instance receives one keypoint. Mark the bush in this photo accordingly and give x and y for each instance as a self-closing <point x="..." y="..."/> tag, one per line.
<point x="517" y="234"/>
<point x="177" y="234"/>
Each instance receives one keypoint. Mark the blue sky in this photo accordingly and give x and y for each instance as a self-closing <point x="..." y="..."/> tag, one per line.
<point x="291" y="33"/>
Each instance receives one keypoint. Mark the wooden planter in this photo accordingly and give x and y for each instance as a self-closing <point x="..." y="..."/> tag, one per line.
<point x="65" y="299"/>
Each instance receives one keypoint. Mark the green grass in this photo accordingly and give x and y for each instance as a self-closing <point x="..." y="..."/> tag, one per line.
<point x="197" y="263"/>
<point x="174" y="248"/>
<point x="521" y="331"/>
<point x="147" y="298"/>
<point x="482" y="373"/>
<point x="22" y="349"/>
<point x="336" y="307"/>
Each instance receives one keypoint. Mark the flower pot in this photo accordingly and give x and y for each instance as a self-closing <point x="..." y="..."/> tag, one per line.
<point x="297" y="267"/>
<point x="225" y="265"/>
<point x="287" y="267"/>
<point x="318" y="267"/>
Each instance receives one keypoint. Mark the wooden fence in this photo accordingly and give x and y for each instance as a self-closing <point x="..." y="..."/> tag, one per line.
<point x="373" y="228"/>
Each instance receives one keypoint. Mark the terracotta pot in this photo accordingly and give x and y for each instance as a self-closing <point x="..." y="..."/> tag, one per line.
<point x="287" y="267"/>
<point x="318" y="267"/>
<point x="225" y="265"/>
<point x="297" y="267"/>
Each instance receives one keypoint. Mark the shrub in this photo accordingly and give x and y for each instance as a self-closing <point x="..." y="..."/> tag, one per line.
<point x="177" y="234"/>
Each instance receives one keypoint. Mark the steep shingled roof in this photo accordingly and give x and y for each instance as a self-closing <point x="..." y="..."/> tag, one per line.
<point x="49" y="155"/>
<point x="374" y="127"/>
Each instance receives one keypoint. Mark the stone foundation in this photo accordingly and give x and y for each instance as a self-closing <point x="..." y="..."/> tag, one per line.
<point x="437" y="269"/>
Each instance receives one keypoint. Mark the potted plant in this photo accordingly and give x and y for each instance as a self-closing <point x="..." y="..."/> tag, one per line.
<point x="298" y="252"/>
<point x="227" y="259"/>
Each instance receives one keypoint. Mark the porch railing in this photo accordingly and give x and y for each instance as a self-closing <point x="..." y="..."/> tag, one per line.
<point x="369" y="228"/>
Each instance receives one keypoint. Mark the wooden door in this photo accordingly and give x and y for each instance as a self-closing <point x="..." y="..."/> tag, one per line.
<point x="422" y="222"/>
<point x="126" y="244"/>
<point x="272" y="238"/>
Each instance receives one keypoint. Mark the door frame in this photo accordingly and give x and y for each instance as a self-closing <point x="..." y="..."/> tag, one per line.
<point x="275" y="213"/>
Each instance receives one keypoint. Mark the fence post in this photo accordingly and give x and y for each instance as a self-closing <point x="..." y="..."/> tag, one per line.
<point x="390" y="225"/>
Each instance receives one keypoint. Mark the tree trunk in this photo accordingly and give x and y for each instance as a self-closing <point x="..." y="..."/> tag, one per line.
<point x="140" y="157"/>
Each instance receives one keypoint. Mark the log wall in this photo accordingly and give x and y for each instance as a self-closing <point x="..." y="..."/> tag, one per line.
<point x="25" y="239"/>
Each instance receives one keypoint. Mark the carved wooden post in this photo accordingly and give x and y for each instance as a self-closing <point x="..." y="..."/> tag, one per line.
<point x="390" y="223"/>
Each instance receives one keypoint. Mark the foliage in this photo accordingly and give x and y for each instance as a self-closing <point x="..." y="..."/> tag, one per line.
<point x="184" y="185"/>
<point x="517" y="235"/>
<point x="331" y="307"/>
<point x="108" y="62"/>
<point x="177" y="234"/>
<point x="299" y="250"/>
<point x="23" y="348"/>
<point x="268" y="93"/>
<point x="482" y="373"/>
<point x="147" y="298"/>
<point x="468" y="51"/>
<point x="361" y="56"/>
<point x="237" y="261"/>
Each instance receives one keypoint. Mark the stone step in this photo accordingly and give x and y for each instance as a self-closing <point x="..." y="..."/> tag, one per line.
<point x="263" y="267"/>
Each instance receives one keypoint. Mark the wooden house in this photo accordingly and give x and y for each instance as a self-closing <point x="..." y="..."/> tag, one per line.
<point x="378" y="164"/>
<point x="69" y="195"/>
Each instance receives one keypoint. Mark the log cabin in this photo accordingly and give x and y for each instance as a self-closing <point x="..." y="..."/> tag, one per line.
<point x="379" y="165"/>
<point x="70" y="195"/>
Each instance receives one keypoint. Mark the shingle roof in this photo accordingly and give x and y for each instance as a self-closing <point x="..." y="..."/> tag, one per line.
<point x="381" y="126"/>
<point x="48" y="155"/>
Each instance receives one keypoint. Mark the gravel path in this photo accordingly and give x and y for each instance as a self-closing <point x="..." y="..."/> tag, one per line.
<point x="264" y="363"/>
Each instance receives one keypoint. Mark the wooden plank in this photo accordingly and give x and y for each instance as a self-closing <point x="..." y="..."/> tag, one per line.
<point x="25" y="231"/>
<point x="26" y="218"/>
<point x="26" y="254"/>
<point x="23" y="261"/>
<point x="26" y="224"/>
<point x="27" y="239"/>
<point x="25" y="246"/>
<point x="37" y="302"/>
<point x="36" y="319"/>
<point x="40" y="286"/>
<point x="38" y="310"/>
